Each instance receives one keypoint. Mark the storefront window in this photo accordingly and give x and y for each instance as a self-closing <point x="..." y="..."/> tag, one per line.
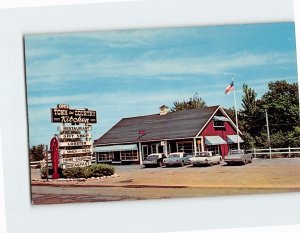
<point x="233" y="146"/>
<point x="104" y="156"/>
<point x="186" y="146"/>
<point x="153" y="148"/>
<point x="214" y="149"/>
<point x="129" y="156"/>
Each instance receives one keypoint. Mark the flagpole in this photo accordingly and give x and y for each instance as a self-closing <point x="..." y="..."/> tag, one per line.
<point x="236" y="117"/>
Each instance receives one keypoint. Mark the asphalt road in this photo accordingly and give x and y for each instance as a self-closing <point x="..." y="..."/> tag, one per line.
<point x="137" y="183"/>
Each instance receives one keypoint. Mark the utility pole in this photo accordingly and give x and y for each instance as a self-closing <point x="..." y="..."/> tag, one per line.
<point x="268" y="133"/>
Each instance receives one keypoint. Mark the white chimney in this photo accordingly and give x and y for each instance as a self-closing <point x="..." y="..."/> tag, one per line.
<point x="163" y="110"/>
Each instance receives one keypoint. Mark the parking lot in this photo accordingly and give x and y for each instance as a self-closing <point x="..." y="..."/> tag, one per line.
<point x="135" y="182"/>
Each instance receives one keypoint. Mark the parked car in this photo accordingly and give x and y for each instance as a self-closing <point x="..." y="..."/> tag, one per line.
<point x="238" y="156"/>
<point x="177" y="159"/>
<point x="154" y="160"/>
<point x="205" y="158"/>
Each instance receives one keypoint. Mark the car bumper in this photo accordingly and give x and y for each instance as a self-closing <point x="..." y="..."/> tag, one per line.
<point x="149" y="163"/>
<point x="237" y="160"/>
<point x="200" y="162"/>
<point x="172" y="163"/>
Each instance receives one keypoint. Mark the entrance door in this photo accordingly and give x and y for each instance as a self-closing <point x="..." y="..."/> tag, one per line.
<point x="117" y="156"/>
<point x="145" y="151"/>
<point x="160" y="148"/>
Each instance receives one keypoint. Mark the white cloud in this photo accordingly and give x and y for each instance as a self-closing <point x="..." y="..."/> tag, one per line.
<point x="118" y="38"/>
<point x="67" y="68"/>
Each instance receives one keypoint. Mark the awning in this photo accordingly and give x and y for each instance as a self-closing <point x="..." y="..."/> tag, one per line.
<point x="214" y="140"/>
<point x="233" y="139"/>
<point x="116" y="148"/>
<point x="220" y="118"/>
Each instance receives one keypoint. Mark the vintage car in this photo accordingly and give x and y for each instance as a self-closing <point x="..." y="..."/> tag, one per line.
<point x="205" y="158"/>
<point x="238" y="157"/>
<point x="154" y="160"/>
<point x="177" y="159"/>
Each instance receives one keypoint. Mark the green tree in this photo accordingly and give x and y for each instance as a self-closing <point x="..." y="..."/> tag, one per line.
<point x="249" y="142"/>
<point x="193" y="102"/>
<point x="250" y="117"/>
<point x="282" y="104"/>
<point x="231" y="113"/>
<point x="36" y="152"/>
<point x="249" y="101"/>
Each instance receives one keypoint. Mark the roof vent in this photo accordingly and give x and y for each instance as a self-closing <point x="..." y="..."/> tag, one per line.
<point x="163" y="110"/>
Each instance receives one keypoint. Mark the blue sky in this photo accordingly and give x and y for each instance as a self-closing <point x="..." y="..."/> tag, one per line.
<point x="133" y="72"/>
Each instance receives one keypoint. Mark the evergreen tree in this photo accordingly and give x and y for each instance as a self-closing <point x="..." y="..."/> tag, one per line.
<point x="193" y="102"/>
<point x="282" y="104"/>
<point x="36" y="153"/>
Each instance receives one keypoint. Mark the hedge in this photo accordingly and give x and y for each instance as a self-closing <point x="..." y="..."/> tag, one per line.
<point x="95" y="170"/>
<point x="43" y="172"/>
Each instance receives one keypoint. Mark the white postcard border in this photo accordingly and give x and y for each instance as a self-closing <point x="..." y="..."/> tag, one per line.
<point x="21" y="216"/>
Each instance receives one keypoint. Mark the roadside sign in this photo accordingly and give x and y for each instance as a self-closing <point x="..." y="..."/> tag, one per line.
<point x="76" y="159"/>
<point x="76" y="143"/>
<point x="71" y="136"/>
<point x="78" y="164"/>
<point x="77" y="151"/>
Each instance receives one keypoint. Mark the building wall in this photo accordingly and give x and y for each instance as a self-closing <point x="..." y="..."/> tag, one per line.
<point x="210" y="130"/>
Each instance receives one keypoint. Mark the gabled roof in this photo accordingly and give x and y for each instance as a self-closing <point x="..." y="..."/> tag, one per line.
<point x="174" y="125"/>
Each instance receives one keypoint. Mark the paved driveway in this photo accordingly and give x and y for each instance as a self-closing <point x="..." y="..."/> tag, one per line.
<point x="135" y="182"/>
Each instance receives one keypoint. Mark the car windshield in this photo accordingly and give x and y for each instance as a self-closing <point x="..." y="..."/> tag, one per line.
<point x="174" y="155"/>
<point x="235" y="152"/>
<point x="151" y="157"/>
<point x="202" y="154"/>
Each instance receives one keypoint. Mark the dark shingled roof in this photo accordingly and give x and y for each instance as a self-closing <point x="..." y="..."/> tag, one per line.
<point x="179" y="124"/>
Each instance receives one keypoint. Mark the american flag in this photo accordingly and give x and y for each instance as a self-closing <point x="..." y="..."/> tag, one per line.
<point x="229" y="88"/>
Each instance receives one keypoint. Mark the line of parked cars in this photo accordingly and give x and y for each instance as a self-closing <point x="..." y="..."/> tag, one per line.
<point x="197" y="159"/>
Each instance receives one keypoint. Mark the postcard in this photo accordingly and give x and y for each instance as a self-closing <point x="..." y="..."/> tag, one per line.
<point x="162" y="113"/>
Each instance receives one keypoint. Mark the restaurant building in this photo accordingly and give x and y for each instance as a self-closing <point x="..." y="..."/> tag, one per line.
<point x="132" y="139"/>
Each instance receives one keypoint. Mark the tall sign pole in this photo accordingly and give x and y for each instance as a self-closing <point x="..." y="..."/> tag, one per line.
<point x="54" y="157"/>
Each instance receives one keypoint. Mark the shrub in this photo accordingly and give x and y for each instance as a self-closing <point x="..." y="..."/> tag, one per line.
<point x="98" y="170"/>
<point x="76" y="172"/>
<point x="95" y="170"/>
<point x="43" y="172"/>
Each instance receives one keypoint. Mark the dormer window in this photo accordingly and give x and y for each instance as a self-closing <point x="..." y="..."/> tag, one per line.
<point x="219" y="124"/>
<point x="219" y="121"/>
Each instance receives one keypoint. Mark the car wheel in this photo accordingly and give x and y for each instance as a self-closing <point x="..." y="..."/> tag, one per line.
<point x="245" y="162"/>
<point x="160" y="163"/>
<point x="182" y="163"/>
<point x="250" y="161"/>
